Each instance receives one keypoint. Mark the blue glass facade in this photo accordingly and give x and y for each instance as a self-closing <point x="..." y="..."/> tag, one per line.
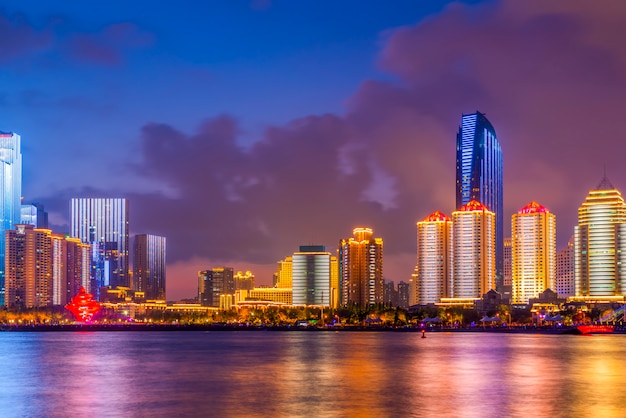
<point x="10" y="193"/>
<point x="479" y="175"/>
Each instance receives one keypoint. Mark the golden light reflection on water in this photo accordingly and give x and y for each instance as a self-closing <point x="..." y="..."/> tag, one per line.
<point x="313" y="374"/>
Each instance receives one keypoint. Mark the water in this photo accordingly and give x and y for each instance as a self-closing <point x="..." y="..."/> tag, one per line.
<point x="310" y="374"/>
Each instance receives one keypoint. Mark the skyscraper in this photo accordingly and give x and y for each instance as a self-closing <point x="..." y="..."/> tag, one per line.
<point x="103" y="223"/>
<point x="34" y="214"/>
<point x="10" y="193"/>
<point x="473" y="251"/>
<point x="361" y="268"/>
<point x="214" y="283"/>
<point x="599" y="240"/>
<point x="533" y="252"/>
<point x="565" y="282"/>
<point x="311" y="276"/>
<point x="149" y="266"/>
<point x="479" y="175"/>
<point x="434" y="258"/>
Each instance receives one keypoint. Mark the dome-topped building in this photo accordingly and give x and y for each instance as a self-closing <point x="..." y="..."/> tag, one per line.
<point x="600" y="239"/>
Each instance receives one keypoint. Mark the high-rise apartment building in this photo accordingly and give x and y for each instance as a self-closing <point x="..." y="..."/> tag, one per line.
<point x="599" y="240"/>
<point x="103" y="223"/>
<point x="479" y="175"/>
<point x="434" y="258"/>
<point x="473" y="250"/>
<point x="43" y="269"/>
<point x="403" y="294"/>
<point x="361" y="268"/>
<point x="311" y="276"/>
<point x="214" y="283"/>
<point x="149" y="266"/>
<point x="565" y="282"/>
<point x="10" y="194"/>
<point x="533" y="258"/>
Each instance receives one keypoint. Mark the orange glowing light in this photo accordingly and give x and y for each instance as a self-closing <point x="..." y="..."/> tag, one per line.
<point x="436" y="216"/>
<point x="533" y="207"/>
<point x="473" y="206"/>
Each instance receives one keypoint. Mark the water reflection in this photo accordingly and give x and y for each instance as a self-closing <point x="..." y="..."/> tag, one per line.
<point x="311" y="374"/>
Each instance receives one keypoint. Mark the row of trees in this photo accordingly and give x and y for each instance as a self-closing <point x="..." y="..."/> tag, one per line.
<point x="290" y="315"/>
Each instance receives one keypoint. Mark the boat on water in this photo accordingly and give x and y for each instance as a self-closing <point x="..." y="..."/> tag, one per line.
<point x="596" y="329"/>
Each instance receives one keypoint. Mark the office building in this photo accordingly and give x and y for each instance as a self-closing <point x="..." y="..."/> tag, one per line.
<point x="34" y="214"/>
<point x="403" y="294"/>
<point x="214" y="283"/>
<point x="103" y="223"/>
<point x="10" y="194"/>
<point x="284" y="273"/>
<point x="565" y="280"/>
<point x="599" y="240"/>
<point x="434" y="257"/>
<point x="479" y="175"/>
<point x="533" y="257"/>
<point x="361" y="268"/>
<point x="311" y="276"/>
<point x="149" y="266"/>
<point x="473" y="251"/>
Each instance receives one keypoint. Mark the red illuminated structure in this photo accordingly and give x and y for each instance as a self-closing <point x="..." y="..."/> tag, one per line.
<point x="82" y="306"/>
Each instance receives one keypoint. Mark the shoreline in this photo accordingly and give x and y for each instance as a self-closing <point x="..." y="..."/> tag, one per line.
<point x="571" y="330"/>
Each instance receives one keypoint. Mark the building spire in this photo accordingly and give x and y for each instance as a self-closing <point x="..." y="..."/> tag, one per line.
<point x="605" y="183"/>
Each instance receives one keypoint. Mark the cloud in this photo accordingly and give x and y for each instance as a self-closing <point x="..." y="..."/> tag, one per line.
<point x="20" y="39"/>
<point x="57" y="40"/>
<point x="108" y="46"/>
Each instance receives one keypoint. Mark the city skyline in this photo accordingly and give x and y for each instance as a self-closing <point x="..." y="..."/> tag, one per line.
<point x="225" y="142"/>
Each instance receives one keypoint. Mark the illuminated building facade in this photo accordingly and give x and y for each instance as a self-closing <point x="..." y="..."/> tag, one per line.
<point x="269" y="294"/>
<point x="10" y="194"/>
<point x="599" y="242"/>
<point x="284" y="273"/>
<point x="214" y="283"/>
<point x="44" y="269"/>
<point x="311" y="276"/>
<point x="149" y="266"/>
<point x="479" y="175"/>
<point x="565" y="282"/>
<point x="244" y="281"/>
<point x="533" y="257"/>
<point x="434" y="258"/>
<point x="473" y="251"/>
<point x="361" y="268"/>
<point x="103" y="223"/>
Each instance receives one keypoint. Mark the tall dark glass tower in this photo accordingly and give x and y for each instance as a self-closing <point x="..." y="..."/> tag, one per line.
<point x="479" y="175"/>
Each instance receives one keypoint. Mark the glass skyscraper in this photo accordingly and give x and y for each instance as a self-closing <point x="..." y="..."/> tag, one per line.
<point x="311" y="276"/>
<point x="149" y="266"/>
<point x="479" y="175"/>
<point x="10" y="192"/>
<point x="103" y="223"/>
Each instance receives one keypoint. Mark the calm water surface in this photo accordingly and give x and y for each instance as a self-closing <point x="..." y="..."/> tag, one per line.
<point x="311" y="374"/>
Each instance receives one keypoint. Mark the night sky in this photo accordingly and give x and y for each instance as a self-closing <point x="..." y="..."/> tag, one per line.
<point x="243" y="129"/>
